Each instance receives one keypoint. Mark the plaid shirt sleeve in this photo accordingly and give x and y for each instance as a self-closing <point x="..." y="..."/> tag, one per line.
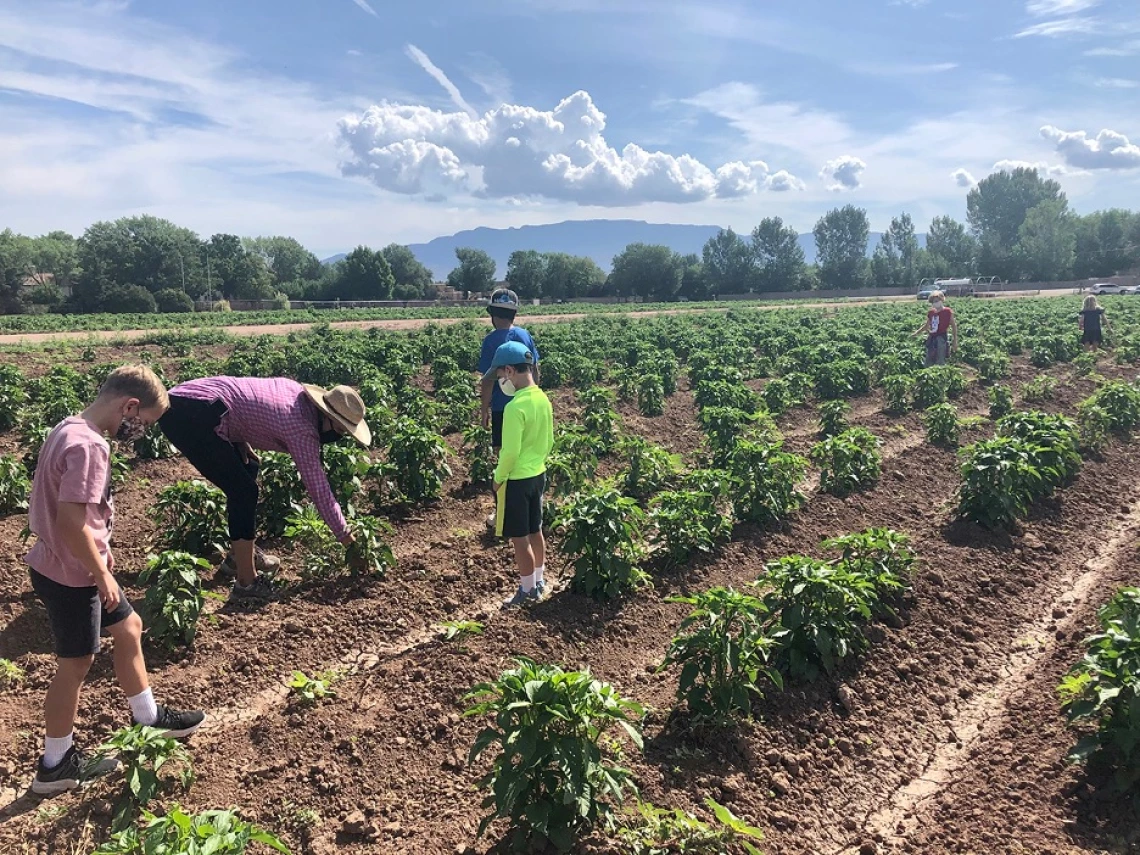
<point x="305" y="448"/>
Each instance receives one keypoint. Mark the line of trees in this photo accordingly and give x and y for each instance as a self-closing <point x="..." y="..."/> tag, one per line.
<point x="146" y="264"/>
<point x="1019" y="227"/>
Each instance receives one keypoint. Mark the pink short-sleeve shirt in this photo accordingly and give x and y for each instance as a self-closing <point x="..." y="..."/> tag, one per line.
<point x="74" y="466"/>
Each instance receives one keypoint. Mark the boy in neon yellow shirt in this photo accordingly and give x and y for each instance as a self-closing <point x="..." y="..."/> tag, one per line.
<point x="520" y="477"/>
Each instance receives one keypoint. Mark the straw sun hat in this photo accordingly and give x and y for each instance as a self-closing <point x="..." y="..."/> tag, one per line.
<point x="344" y="406"/>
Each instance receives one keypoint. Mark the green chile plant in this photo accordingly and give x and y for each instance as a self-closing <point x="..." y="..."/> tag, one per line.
<point x="651" y="396"/>
<point x="999" y="481"/>
<point x="1038" y="389"/>
<point x="848" y="462"/>
<point x="281" y="494"/>
<point x="326" y="558"/>
<point x="764" y="481"/>
<point x="833" y="418"/>
<point x="898" y="389"/>
<point x="685" y="522"/>
<point x="724" y="647"/>
<point x="190" y="516"/>
<point x="417" y="462"/>
<point x="13" y="396"/>
<point x="480" y="455"/>
<point x="1103" y="689"/>
<point x="816" y="609"/>
<point x="1094" y="425"/>
<point x="1121" y="401"/>
<point x="11" y="674"/>
<point x="1001" y="401"/>
<point x="599" y="418"/>
<point x="778" y="397"/>
<point x="880" y="554"/>
<point x="725" y="394"/>
<point x="992" y="366"/>
<point x="15" y="486"/>
<point x="211" y="832"/>
<point x="144" y="752"/>
<point x="724" y="427"/>
<point x="551" y="780"/>
<point x="603" y="535"/>
<point x="153" y="445"/>
<point x="1054" y="441"/>
<point x="649" y="467"/>
<point x="347" y="466"/>
<point x="174" y="597"/>
<point x="310" y="690"/>
<point x="942" y="425"/>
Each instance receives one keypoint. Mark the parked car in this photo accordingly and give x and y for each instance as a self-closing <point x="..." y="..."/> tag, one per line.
<point x="1111" y="288"/>
<point x="949" y="287"/>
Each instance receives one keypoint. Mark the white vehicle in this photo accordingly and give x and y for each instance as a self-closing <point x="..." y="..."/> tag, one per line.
<point x="1111" y="288"/>
<point x="949" y="287"/>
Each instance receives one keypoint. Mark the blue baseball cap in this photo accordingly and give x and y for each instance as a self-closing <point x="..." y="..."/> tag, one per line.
<point x="512" y="353"/>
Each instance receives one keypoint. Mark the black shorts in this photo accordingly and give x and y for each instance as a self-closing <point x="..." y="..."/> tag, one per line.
<point x="497" y="429"/>
<point x="519" y="511"/>
<point x="1092" y="337"/>
<point x="76" y="615"/>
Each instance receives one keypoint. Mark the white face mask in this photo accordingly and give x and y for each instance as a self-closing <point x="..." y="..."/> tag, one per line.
<point x="507" y="386"/>
<point x="936" y="305"/>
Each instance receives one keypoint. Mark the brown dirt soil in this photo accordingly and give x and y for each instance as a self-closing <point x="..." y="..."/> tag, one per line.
<point x="825" y="768"/>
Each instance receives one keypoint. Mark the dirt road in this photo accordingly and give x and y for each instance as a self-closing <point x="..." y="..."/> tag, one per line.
<point x="403" y="324"/>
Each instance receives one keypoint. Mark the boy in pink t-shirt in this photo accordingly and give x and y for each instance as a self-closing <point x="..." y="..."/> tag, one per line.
<point x="71" y="513"/>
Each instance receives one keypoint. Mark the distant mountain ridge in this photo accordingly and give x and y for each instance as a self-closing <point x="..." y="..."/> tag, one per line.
<point x="600" y="240"/>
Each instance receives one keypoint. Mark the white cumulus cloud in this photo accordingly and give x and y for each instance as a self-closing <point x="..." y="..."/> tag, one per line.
<point x="843" y="173"/>
<point x="963" y="178"/>
<point x="516" y="151"/>
<point x="1108" y="150"/>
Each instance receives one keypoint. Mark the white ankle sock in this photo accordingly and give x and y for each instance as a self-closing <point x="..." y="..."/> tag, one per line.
<point x="527" y="583"/>
<point x="143" y="708"/>
<point x="56" y="748"/>
<point x="538" y="574"/>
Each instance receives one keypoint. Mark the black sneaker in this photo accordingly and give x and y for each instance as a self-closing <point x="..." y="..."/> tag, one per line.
<point x="177" y="724"/>
<point x="73" y="771"/>
<point x="258" y="593"/>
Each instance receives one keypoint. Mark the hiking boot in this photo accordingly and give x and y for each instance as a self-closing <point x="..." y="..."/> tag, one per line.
<point x="263" y="562"/>
<point x="177" y="724"/>
<point x="522" y="598"/>
<point x="73" y="771"/>
<point x="257" y="593"/>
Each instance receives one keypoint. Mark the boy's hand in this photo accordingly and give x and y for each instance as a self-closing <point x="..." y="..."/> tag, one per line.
<point x="485" y="418"/>
<point x="109" y="593"/>
<point x="498" y="485"/>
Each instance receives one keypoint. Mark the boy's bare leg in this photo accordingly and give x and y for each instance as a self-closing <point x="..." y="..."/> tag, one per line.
<point x="130" y="665"/>
<point x="61" y="704"/>
<point x="538" y="549"/>
<point x="524" y="560"/>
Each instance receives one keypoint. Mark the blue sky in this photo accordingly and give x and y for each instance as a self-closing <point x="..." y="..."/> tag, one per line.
<point x="360" y="121"/>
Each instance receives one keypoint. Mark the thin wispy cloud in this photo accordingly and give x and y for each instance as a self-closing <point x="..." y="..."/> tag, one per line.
<point x="424" y="61"/>
<point x="1130" y="48"/>
<point x="1058" y="8"/>
<point x="1061" y="28"/>
<point x="363" y="4"/>
<point x="1116" y="83"/>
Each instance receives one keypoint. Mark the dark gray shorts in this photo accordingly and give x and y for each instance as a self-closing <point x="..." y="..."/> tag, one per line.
<point x="76" y="615"/>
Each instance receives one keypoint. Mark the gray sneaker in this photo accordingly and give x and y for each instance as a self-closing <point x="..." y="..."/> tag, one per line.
<point x="541" y="590"/>
<point x="73" y="771"/>
<point x="257" y="593"/>
<point x="263" y="562"/>
<point x="522" y="598"/>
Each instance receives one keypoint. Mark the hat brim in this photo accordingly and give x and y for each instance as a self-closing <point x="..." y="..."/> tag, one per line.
<point x="360" y="432"/>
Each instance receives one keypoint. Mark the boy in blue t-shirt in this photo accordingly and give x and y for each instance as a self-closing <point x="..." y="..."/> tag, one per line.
<point x="502" y="308"/>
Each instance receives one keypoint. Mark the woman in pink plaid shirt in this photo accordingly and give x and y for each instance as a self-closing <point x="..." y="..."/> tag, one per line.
<point x="218" y="423"/>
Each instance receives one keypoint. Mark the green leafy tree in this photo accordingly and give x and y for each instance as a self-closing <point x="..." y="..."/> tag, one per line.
<point x="728" y="263"/>
<point x="285" y="258"/>
<point x="646" y="270"/>
<point x="893" y="263"/>
<point x="841" y="246"/>
<point x="996" y="210"/>
<point x="145" y="251"/>
<point x="778" y="256"/>
<point x="1046" y="242"/>
<point x="364" y="274"/>
<point x="476" y="271"/>
<point x="951" y="247"/>
<point x="413" y="280"/>
<point x="694" y="281"/>
<point x="526" y="273"/>
<point x="570" y="276"/>
<point x="235" y="272"/>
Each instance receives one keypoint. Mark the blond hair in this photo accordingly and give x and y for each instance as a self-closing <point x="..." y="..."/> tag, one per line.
<point x="1090" y="303"/>
<point x="136" y="381"/>
<point x="937" y="295"/>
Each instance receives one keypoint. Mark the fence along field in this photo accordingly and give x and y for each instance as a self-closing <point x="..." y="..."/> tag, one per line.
<point x="789" y="559"/>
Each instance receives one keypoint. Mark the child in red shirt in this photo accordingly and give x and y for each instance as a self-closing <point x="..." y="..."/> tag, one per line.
<point x="939" y="323"/>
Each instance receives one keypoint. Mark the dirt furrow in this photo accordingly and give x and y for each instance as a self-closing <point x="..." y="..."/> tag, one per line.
<point x="971" y="723"/>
